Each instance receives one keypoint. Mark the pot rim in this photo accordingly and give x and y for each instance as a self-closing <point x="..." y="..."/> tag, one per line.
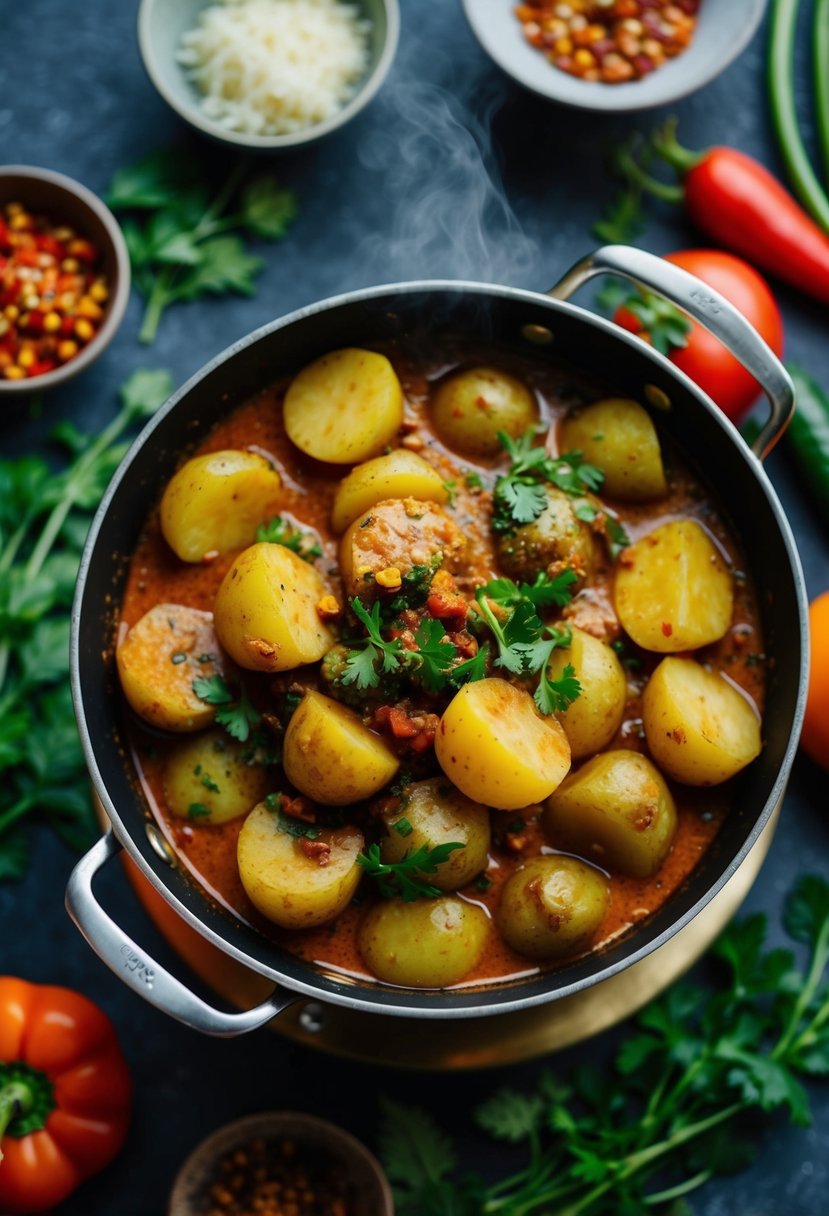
<point x="481" y="1000"/>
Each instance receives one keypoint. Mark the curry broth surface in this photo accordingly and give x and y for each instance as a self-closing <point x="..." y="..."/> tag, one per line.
<point x="156" y="575"/>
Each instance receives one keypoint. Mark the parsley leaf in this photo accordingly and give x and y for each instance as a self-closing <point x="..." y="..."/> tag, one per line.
<point x="434" y="656"/>
<point x="180" y="239"/>
<point x="235" y="713"/>
<point x="302" y="541"/>
<point x="403" y="877"/>
<point x="519" y="496"/>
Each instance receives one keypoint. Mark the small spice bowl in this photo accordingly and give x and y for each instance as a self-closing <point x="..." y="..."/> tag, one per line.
<point x="722" y="31"/>
<point x="227" y="1166"/>
<point x="163" y="23"/>
<point x="65" y="202"/>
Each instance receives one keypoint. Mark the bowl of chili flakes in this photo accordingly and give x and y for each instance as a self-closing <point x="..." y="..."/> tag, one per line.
<point x="64" y="278"/>
<point x="613" y="55"/>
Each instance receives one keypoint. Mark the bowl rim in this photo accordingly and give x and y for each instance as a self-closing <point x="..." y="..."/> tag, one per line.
<point x="119" y="297"/>
<point x="461" y="1002"/>
<point x="597" y="97"/>
<point x="301" y="1125"/>
<point x="192" y="115"/>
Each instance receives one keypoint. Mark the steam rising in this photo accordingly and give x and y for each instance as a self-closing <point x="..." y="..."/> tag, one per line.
<point x="449" y="216"/>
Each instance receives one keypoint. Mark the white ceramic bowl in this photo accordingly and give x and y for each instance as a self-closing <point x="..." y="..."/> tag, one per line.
<point x="724" y="29"/>
<point x="161" y="24"/>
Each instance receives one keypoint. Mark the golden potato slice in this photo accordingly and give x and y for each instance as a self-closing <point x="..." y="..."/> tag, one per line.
<point x="699" y="728"/>
<point x="331" y="756"/>
<point x="432" y="813"/>
<point x="430" y="943"/>
<point x="470" y="408"/>
<point x="594" y="717"/>
<point x="673" y="590"/>
<point x="555" y="540"/>
<point x="214" y="503"/>
<point x="266" y="610"/>
<point x="498" y="749"/>
<point x="399" y="474"/>
<point x="552" y="906"/>
<point x="616" y="810"/>
<point x="397" y="536"/>
<point x="209" y="780"/>
<point x="618" y="436"/>
<point x="345" y="407"/>
<point x="158" y="660"/>
<point x="292" y="889"/>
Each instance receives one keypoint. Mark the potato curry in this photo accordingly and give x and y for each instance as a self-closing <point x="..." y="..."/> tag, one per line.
<point x="438" y="670"/>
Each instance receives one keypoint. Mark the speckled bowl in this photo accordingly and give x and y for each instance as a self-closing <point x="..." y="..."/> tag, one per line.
<point x="190" y="1189"/>
<point x="161" y="24"/>
<point x="65" y="200"/>
<point x="723" y="30"/>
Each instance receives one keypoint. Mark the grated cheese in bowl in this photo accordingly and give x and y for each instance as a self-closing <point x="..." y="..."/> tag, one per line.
<point x="273" y="67"/>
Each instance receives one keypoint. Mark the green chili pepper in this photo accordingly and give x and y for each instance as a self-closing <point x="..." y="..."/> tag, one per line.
<point x="808" y="438"/>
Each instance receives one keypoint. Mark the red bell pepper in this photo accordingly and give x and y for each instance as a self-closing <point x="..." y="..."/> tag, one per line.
<point x="65" y="1094"/>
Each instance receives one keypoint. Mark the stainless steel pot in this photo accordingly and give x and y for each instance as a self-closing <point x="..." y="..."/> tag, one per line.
<point x="526" y="321"/>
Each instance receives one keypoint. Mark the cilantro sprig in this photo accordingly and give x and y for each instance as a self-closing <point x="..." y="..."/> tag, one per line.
<point x="302" y="541"/>
<point x="44" y="517"/>
<point x="181" y="239"/>
<point x="370" y="657"/>
<point x="238" y="716"/>
<point x="403" y="878"/>
<point x="519" y="496"/>
<point x="682" y="1101"/>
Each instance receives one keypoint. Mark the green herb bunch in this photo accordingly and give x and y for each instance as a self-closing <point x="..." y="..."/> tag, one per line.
<point x="44" y="519"/>
<point x="183" y="242"/>
<point x="681" y="1103"/>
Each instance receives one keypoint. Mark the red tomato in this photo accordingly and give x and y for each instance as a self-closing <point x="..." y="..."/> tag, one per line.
<point x="815" y="737"/>
<point x="704" y="358"/>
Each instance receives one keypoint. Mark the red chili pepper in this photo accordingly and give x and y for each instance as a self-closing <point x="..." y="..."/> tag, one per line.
<point x="64" y="1094"/>
<point x="742" y="206"/>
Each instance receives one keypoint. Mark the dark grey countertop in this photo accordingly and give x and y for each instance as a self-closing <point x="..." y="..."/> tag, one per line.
<point x="453" y="172"/>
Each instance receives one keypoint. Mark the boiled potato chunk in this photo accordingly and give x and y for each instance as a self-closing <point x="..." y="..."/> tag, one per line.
<point x="552" y="906"/>
<point x="496" y="747"/>
<point x="557" y="539"/>
<point x="396" y="536"/>
<point x="289" y="887"/>
<point x="699" y="728"/>
<point x="158" y="660"/>
<point x="616" y="810"/>
<point x="266" y="610"/>
<point x="618" y="436"/>
<point x="430" y="943"/>
<point x="345" y="407"/>
<point x="207" y="779"/>
<point x="673" y="590"/>
<point x="214" y="503"/>
<point x="592" y="720"/>
<point x="472" y="406"/>
<point x="433" y="813"/>
<point x="398" y="474"/>
<point x="330" y="756"/>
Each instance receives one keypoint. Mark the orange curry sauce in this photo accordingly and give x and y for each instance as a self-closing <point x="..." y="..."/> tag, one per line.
<point x="156" y="575"/>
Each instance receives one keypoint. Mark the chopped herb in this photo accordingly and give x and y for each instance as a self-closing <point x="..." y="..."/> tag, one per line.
<point x="428" y="665"/>
<point x="279" y="531"/>
<point x="197" y="810"/>
<point x="402" y="878"/>
<point x="473" y="480"/>
<point x="213" y="689"/>
<point x="482" y="883"/>
<point x="403" y="827"/>
<point x="754" y="659"/>
<point x="296" y="827"/>
<point x="209" y="784"/>
<point x="291" y="702"/>
<point x="520" y="497"/>
<point x="235" y="714"/>
<point x="471" y="669"/>
<point x="178" y="657"/>
<point x="617" y="537"/>
<point x="273" y="802"/>
<point x="451" y="488"/>
<point x="404" y="779"/>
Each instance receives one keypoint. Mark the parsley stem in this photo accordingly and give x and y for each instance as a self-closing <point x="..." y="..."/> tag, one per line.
<point x="820" y="957"/>
<point x="678" y="1191"/>
<point x="160" y="296"/>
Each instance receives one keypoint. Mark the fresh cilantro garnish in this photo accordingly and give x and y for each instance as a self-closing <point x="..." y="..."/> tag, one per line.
<point x="519" y="496"/>
<point x="433" y="657"/>
<point x="45" y="512"/>
<point x="197" y="810"/>
<point x="543" y="593"/>
<point x="403" y="827"/>
<point x="681" y="1101"/>
<point x="279" y="531"/>
<point x="363" y="665"/>
<point x="451" y="488"/>
<point x="209" y="784"/>
<point x="178" y="232"/>
<point x="473" y="480"/>
<point x="471" y="669"/>
<point x="617" y="537"/>
<point x="235" y="712"/>
<point x="403" y="877"/>
<point x="296" y="827"/>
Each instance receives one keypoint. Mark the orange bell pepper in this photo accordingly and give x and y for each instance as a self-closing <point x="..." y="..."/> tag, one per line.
<point x="65" y="1094"/>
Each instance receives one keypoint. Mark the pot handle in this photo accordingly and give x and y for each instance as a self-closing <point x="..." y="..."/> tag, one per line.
<point x="142" y="973"/>
<point x="712" y="311"/>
